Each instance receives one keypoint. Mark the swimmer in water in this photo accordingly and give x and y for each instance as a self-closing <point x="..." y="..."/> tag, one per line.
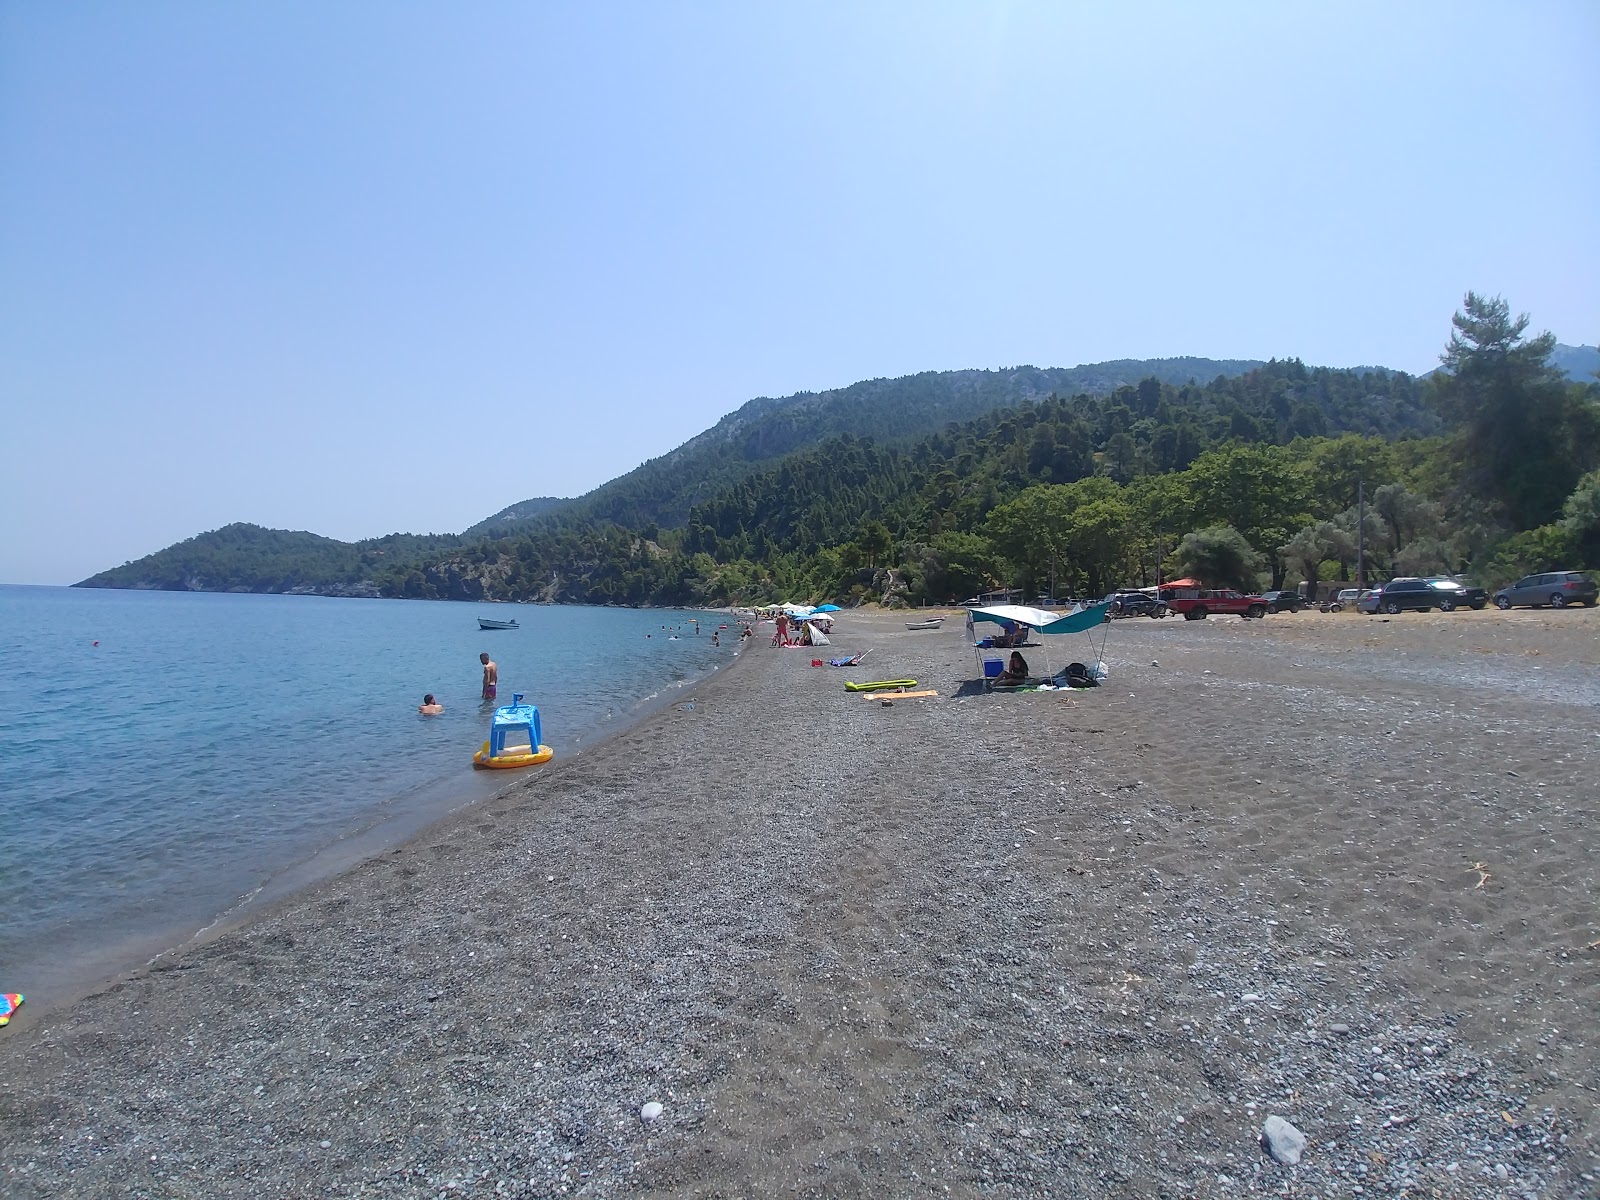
<point x="429" y="706"/>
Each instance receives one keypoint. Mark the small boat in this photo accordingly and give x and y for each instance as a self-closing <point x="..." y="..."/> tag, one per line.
<point x="485" y="623"/>
<point x="929" y="623"/>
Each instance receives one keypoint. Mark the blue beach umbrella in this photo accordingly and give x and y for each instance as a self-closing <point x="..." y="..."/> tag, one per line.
<point x="827" y="608"/>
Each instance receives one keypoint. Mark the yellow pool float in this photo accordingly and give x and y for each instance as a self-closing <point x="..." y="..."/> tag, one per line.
<point x="526" y="757"/>
<point x="515" y="738"/>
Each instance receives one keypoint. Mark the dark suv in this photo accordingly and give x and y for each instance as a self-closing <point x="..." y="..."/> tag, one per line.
<point x="1135" y="604"/>
<point x="1555" y="588"/>
<point x="1422" y="594"/>
<point x="1278" y="602"/>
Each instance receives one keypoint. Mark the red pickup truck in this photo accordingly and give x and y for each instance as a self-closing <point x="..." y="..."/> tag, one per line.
<point x="1196" y="604"/>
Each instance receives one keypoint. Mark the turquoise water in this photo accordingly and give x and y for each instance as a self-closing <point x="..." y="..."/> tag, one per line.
<point x="212" y="748"/>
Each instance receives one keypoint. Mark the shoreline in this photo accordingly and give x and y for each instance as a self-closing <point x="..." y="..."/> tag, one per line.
<point x="415" y="811"/>
<point x="1077" y="943"/>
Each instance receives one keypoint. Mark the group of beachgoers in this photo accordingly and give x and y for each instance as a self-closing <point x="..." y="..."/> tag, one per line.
<point x="430" y="707"/>
<point x="792" y="631"/>
<point x="716" y="634"/>
<point x="491" y="686"/>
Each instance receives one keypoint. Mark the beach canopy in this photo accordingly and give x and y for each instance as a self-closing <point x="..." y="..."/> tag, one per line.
<point x="827" y="608"/>
<point x="1182" y="583"/>
<point x="1042" y="619"/>
<point x="1011" y="615"/>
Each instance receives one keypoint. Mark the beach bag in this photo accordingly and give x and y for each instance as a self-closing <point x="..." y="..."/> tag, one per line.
<point x="1078" y="676"/>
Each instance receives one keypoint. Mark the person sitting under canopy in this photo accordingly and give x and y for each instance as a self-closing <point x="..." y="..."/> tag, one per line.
<point x="1016" y="671"/>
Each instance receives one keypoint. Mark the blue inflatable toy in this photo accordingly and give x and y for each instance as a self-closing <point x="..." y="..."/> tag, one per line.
<point x="516" y="738"/>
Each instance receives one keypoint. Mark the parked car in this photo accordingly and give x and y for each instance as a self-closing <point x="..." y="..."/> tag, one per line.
<point x="1467" y="594"/>
<point x="1135" y="604"/>
<point x="1283" y="601"/>
<point x="1366" y="600"/>
<point x="1555" y="588"/>
<point x="1407" y="592"/>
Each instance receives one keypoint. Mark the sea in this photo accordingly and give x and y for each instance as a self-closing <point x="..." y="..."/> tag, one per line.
<point x="170" y="761"/>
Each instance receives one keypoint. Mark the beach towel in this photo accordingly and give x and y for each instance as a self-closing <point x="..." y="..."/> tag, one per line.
<point x="9" y="1002"/>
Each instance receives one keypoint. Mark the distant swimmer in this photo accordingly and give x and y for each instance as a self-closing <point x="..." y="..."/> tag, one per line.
<point x="491" y="676"/>
<point x="429" y="706"/>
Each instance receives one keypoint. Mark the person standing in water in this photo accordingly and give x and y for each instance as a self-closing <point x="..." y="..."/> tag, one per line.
<point x="491" y="675"/>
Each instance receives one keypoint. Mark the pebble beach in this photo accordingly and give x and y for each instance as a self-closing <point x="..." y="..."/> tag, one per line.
<point x="1322" y="873"/>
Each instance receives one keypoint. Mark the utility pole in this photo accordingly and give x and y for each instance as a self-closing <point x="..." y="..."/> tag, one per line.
<point x="1361" y="533"/>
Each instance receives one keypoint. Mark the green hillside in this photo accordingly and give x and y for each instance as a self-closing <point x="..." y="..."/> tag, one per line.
<point x="763" y="431"/>
<point x="250" y="558"/>
<point x="931" y="486"/>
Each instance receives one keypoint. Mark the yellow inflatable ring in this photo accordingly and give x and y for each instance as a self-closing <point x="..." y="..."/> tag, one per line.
<point x="507" y="761"/>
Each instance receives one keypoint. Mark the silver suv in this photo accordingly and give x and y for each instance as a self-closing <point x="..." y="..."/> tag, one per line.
<point x="1555" y="588"/>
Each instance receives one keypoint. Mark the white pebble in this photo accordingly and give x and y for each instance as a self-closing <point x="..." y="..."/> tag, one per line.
<point x="650" y="1111"/>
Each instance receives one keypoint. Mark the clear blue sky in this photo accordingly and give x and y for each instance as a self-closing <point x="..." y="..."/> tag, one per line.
<point x="357" y="267"/>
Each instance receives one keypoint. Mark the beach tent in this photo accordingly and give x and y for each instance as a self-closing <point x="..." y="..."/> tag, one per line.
<point x="1083" y="620"/>
<point x="820" y="625"/>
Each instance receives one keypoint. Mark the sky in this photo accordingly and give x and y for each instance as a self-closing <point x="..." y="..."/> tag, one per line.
<point x="366" y="267"/>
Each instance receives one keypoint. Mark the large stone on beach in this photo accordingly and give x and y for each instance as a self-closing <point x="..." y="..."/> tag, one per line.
<point x="650" y="1111"/>
<point x="1282" y="1141"/>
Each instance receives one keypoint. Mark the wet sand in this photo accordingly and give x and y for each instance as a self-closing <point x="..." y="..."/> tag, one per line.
<point x="1336" y="868"/>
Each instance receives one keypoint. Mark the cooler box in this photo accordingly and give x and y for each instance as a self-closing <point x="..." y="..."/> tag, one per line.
<point x="993" y="666"/>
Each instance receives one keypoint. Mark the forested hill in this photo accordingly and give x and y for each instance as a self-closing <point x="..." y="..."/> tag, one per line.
<point x="1579" y="363"/>
<point x="888" y="411"/>
<point x="938" y="485"/>
<point x="518" y="514"/>
<point x="774" y="514"/>
<point x="249" y="558"/>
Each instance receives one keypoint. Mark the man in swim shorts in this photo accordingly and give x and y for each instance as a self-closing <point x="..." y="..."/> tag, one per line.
<point x="491" y="675"/>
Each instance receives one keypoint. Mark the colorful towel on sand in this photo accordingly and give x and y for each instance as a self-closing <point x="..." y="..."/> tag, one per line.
<point x="8" y="1005"/>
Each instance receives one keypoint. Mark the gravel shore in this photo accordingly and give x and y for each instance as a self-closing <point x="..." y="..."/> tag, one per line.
<point x="1334" y="869"/>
